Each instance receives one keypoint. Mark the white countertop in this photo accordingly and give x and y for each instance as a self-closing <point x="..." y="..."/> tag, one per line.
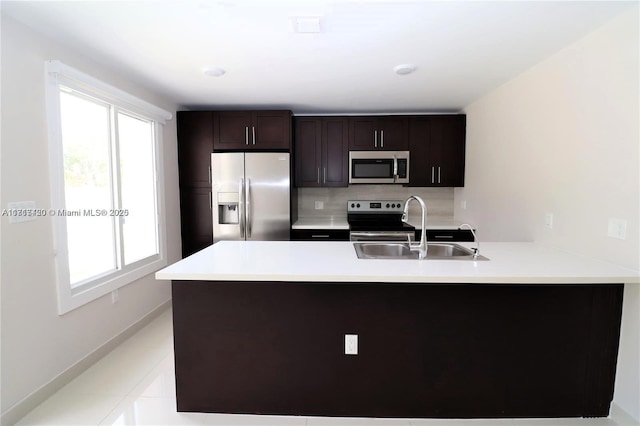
<point x="337" y="262"/>
<point x="340" y="222"/>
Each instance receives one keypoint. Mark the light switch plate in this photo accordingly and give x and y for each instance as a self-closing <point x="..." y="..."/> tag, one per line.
<point x="548" y="220"/>
<point x="21" y="211"/>
<point x="319" y="205"/>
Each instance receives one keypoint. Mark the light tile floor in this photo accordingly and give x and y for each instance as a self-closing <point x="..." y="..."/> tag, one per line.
<point x="135" y="385"/>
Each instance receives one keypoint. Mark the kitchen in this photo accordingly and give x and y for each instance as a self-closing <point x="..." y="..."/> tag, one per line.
<point x="572" y="111"/>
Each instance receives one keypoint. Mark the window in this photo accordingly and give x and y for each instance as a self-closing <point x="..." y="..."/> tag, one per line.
<point x="106" y="185"/>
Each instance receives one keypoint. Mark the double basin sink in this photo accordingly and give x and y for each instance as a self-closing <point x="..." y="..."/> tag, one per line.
<point x="389" y="250"/>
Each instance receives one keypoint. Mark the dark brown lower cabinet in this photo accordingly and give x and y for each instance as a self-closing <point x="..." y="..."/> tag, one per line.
<point x="425" y="350"/>
<point x="196" y="220"/>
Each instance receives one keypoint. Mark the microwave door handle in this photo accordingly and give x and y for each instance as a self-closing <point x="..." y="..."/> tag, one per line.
<point x="395" y="168"/>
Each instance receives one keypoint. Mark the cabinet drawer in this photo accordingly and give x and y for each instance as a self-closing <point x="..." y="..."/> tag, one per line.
<point x="461" y="235"/>
<point x="320" y="235"/>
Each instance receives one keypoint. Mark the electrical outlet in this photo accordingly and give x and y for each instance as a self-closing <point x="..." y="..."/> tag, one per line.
<point x="115" y="296"/>
<point x="617" y="228"/>
<point x="351" y="344"/>
<point x="463" y="204"/>
<point x="319" y="205"/>
<point x="548" y="220"/>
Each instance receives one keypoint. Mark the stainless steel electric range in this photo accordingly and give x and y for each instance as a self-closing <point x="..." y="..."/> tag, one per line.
<point x="378" y="220"/>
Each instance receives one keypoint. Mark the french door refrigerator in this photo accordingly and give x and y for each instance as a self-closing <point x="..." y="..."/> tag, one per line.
<point x="251" y="196"/>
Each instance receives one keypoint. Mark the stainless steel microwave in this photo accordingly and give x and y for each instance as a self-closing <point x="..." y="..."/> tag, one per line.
<point x="378" y="166"/>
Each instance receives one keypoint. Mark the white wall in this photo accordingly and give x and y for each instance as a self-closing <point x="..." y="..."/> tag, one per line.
<point x="37" y="344"/>
<point x="563" y="138"/>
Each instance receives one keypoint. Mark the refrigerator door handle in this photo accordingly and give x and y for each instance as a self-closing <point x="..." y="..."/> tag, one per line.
<point x="248" y="208"/>
<point x="242" y="208"/>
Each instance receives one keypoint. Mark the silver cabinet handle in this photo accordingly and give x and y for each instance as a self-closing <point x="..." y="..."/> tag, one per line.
<point x="246" y="135"/>
<point x="320" y="236"/>
<point x="324" y="175"/>
<point x="253" y="133"/>
<point x="248" y="209"/>
<point x="210" y="202"/>
<point x="241" y="208"/>
<point x="433" y="171"/>
<point x="375" y="138"/>
<point x="209" y="175"/>
<point x="438" y="174"/>
<point x="381" y="138"/>
<point x="318" y="175"/>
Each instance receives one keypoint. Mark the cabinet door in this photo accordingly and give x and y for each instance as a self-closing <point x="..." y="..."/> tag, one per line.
<point x="232" y="130"/>
<point x="447" y="149"/>
<point x="393" y="133"/>
<point x="420" y="163"/>
<point x="195" y="145"/>
<point x="270" y="130"/>
<point x="335" y="152"/>
<point x="308" y="151"/>
<point x="195" y="219"/>
<point x="362" y="134"/>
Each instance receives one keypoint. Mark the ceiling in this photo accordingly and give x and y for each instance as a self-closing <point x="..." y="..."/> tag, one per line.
<point x="462" y="50"/>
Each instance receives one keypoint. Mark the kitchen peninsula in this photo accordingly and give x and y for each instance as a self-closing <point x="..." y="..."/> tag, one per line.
<point x="259" y="327"/>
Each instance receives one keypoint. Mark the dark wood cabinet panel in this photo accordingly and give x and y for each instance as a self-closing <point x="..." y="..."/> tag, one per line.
<point x="424" y="350"/>
<point x="252" y="130"/>
<point x="393" y="133"/>
<point x="321" y="152"/>
<point x="195" y="145"/>
<point x="362" y="134"/>
<point x="308" y="151"/>
<point x="232" y="130"/>
<point x="437" y="146"/>
<point x="335" y="152"/>
<point x="195" y="219"/>
<point x="272" y="130"/>
<point x="374" y="133"/>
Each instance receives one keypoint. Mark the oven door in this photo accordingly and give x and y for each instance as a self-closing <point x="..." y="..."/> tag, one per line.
<point x="403" y="236"/>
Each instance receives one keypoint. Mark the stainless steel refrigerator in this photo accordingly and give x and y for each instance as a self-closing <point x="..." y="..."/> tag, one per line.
<point x="251" y="196"/>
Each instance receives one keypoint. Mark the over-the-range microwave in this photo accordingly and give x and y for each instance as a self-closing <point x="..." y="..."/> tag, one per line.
<point x="378" y="166"/>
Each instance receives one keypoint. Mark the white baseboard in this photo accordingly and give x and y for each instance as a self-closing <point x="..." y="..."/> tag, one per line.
<point x="29" y="403"/>
<point x="621" y="417"/>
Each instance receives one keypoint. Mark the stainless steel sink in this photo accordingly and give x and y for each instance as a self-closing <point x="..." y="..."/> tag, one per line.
<point x="375" y="250"/>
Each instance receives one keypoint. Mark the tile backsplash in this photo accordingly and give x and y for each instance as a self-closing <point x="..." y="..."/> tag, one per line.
<point x="439" y="201"/>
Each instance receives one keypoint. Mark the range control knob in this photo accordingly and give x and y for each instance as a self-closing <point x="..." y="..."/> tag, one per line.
<point x="387" y="205"/>
<point x="352" y="205"/>
<point x="393" y="205"/>
<point x="358" y="205"/>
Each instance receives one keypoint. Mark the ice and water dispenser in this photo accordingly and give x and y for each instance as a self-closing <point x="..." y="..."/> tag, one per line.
<point x="228" y="209"/>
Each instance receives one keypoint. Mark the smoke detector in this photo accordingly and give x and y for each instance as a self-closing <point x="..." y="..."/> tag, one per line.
<point x="404" y="69"/>
<point x="213" y="71"/>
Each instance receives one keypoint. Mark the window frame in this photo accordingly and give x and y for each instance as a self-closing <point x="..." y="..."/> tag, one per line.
<point x="57" y="76"/>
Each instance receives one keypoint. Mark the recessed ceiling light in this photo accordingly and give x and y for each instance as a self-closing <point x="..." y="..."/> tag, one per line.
<point x="404" y="69"/>
<point x="309" y="24"/>
<point x="214" y="71"/>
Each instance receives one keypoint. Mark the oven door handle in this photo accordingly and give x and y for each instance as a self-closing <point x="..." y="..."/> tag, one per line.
<point x="379" y="236"/>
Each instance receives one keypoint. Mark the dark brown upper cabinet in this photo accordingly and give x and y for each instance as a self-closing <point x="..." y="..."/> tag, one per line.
<point x="437" y="146"/>
<point x="252" y="130"/>
<point x="195" y="145"/>
<point x="378" y="133"/>
<point x="321" y="151"/>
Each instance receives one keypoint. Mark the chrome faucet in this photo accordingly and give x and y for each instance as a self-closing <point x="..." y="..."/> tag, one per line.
<point x="421" y="247"/>
<point x="476" y="250"/>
